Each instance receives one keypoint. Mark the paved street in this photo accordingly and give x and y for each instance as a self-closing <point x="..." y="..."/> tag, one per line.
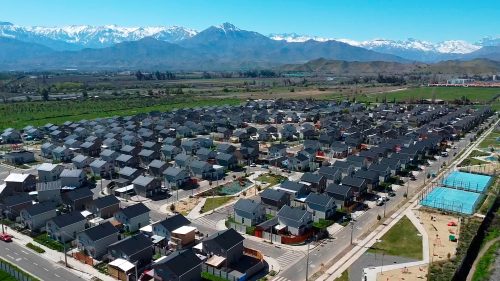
<point x="35" y="264"/>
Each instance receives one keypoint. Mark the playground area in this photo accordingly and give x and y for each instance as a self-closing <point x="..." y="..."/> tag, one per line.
<point x="454" y="200"/>
<point x="443" y="232"/>
<point x="467" y="181"/>
<point x="234" y="187"/>
<point x="413" y="273"/>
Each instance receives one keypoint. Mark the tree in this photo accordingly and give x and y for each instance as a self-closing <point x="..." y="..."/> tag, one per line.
<point x="45" y="94"/>
<point x="85" y="95"/>
<point x="172" y="207"/>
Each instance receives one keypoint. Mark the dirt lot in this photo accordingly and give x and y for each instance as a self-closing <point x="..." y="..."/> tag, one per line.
<point x="186" y="205"/>
<point x="438" y="231"/>
<point x="414" y="273"/>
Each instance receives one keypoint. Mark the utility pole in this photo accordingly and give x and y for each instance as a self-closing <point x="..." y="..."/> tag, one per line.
<point x="136" y="275"/>
<point x="352" y="229"/>
<point x="307" y="261"/>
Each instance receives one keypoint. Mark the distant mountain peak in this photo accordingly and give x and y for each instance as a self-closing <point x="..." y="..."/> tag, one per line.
<point x="226" y="26"/>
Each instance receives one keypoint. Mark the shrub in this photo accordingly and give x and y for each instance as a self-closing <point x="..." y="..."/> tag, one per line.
<point x="35" y="248"/>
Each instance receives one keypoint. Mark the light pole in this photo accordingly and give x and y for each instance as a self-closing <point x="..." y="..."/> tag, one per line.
<point x="307" y="261"/>
<point x="352" y="229"/>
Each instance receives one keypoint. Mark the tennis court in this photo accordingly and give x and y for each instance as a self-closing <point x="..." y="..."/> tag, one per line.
<point x="467" y="181"/>
<point x="450" y="199"/>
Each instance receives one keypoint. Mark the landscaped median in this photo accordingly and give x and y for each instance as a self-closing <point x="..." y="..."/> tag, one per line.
<point x="48" y="242"/>
<point x="35" y="248"/>
<point x="215" y="202"/>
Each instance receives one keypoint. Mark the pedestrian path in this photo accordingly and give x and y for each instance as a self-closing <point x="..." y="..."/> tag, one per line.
<point x="288" y="259"/>
<point x="280" y="278"/>
<point x="206" y="221"/>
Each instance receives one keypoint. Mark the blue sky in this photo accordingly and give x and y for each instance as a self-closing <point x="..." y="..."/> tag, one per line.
<point x="435" y="20"/>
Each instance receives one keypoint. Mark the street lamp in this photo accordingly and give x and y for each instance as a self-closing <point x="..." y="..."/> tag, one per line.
<point x="352" y="229"/>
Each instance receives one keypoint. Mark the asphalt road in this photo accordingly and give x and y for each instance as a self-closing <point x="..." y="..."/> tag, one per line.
<point x="34" y="264"/>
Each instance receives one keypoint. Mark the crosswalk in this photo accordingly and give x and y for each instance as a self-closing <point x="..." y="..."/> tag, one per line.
<point x="206" y="222"/>
<point x="288" y="259"/>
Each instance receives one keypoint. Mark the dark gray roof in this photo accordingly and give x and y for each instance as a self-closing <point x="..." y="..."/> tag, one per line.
<point x="225" y="239"/>
<point x="40" y="208"/>
<point x="157" y="163"/>
<point x="68" y="219"/>
<point x="71" y="173"/>
<point x="294" y="214"/>
<point x="273" y="194"/>
<point x="17" y="199"/>
<point x="318" y="199"/>
<point x="246" y="205"/>
<point x="143" y="180"/>
<point x="312" y="178"/>
<point x="179" y="262"/>
<point x="292" y="185"/>
<point x="353" y="181"/>
<point x="101" y="231"/>
<point x="367" y="175"/>
<point x="127" y="171"/>
<point x="105" y="201"/>
<point x="135" y="210"/>
<point x="132" y="245"/>
<point x="174" y="222"/>
<point x="78" y="194"/>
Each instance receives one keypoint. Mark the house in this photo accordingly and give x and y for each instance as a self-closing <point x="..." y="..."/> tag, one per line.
<point x="331" y="174"/>
<point x="345" y="167"/>
<point x="226" y="243"/>
<point x="170" y="151"/>
<point x="124" y="160"/>
<point x="359" y="185"/>
<point x="62" y="154"/>
<point x="78" y="199"/>
<point x="49" y="172"/>
<point x="46" y="149"/>
<point x="129" y="173"/>
<point x="205" y="154"/>
<point x="15" y="182"/>
<point x="105" y="207"/>
<point x="321" y="206"/>
<point x="226" y="160"/>
<point x="249" y="212"/>
<point x="109" y="155"/>
<point x="180" y="265"/>
<point x="11" y="206"/>
<point x="383" y="171"/>
<point x="130" y="150"/>
<point x="146" y="156"/>
<point x="133" y="217"/>
<point x="342" y="194"/>
<point x="94" y="241"/>
<point x="165" y="227"/>
<point x="300" y="162"/>
<point x="190" y="147"/>
<point x="11" y="136"/>
<point x="134" y="249"/>
<point x="91" y="148"/>
<point x="73" y="178"/>
<point x="317" y="182"/>
<point x="112" y="144"/>
<point x="176" y="177"/>
<point x="35" y="217"/>
<point x="201" y="169"/>
<point x="274" y="199"/>
<point x="339" y="150"/>
<point x="371" y="177"/>
<point x="81" y="161"/>
<point x="294" y="189"/>
<point x="64" y="228"/>
<point x="296" y="221"/>
<point x="146" y="186"/>
<point x="102" y="168"/>
<point x="19" y="157"/>
<point x="157" y="167"/>
<point x="277" y="150"/>
<point x="183" y="160"/>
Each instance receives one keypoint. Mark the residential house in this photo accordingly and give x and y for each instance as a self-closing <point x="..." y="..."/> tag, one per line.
<point x="249" y="212"/>
<point x="64" y="228"/>
<point x="176" y="177"/>
<point x="11" y="206"/>
<point x="73" y="178"/>
<point x="294" y="189"/>
<point x="15" y="182"/>
<point x="133" y="217"/>
<point x="46" y="150"/>
<point x="165" y="227"/>
<point x="124" y="160"/>
<point x="102" y="168"/>
<point x="317" y="181"/>
<point x="146" y="186"/>
<point x="274" y="198"/>
<point x="359" y="185"/>
<point x="49" y="172"/>
<point x="157" y="167"/>
<point x="331" y="174"/>
<point x="342" y="194"/>
<point x="295" y="221"/>
<point x="226" y="160"/>
<point x="134" y="249"/>
<point x="35" y="217"/>
<point x="19" y="157"/>
<point x="94" y="241"/>
<point x="78" y="199"/>
<point x="81" y="161"/>
<point x="180" y="265"/>
<point x="170" y="152"/>
<point x="105" y="207"/>
<point x="321" y="206"/>
<point x="226" y="243"/>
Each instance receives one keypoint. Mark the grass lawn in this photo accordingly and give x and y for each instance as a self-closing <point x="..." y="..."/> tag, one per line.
<point x="491" y="140"/>
<point x="322" y="223"/>
<point x="478" y="153"/>
<point x="18" y="115"/>
<point x="484" y="266"/>
<point x="471" y="162"/>
<point x="271" y="179"/>
<point x="205" y="276"/>
<point x="401" y="240"/>
<point x="4" y="276"/>
<point x="344" y="276"/>
<point x="443" y="93"/>
<point x="45" y="240"/>
<point x="215" y="202"/>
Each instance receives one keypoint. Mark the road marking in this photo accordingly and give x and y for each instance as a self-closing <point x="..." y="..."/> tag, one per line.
<point x="45" y="269"/>
<point x="16" y="254"/>
<point x="25" y="252"/>
<point x="36" y="264"/>
<point x="18" y="259"/>
<point x="10" y="257"/>
<point x="7" y="249"/>
<point x="57" y="275"/>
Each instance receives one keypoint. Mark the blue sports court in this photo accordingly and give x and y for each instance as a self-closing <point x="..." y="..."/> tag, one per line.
<point x="450" y="199"/>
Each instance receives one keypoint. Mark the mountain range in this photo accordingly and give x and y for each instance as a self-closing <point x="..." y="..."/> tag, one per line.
<point x="215" y="48"/>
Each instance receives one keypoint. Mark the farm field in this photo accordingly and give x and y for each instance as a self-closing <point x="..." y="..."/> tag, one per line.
<point x="18" y="115"/>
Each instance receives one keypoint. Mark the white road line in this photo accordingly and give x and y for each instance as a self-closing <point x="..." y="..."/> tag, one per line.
<point x="45" y="269"/>
<point x="18" y="259"/>
<point x="25" y="252"/>
<point x="36" y="264"/>
<point x="16" y="254"/>
<point x="57" y="275"/>
<point x="10" y="257"/>
<point x="7" y="249"/>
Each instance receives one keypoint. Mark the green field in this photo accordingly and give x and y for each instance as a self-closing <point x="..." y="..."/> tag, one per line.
<point x="215" y="202"/>
<point x="4" y="276"/>
<point x="484" y="266"/>
<point x="18" y="115"/>
<point x="491" y="140"/>
<point x="444" y="93"/>
<point x="401" y="240"/>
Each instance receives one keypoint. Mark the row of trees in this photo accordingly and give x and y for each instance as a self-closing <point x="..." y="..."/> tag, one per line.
<point x="155" y="75"/>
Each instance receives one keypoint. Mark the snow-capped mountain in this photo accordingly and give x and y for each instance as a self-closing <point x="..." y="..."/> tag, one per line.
<point x="294" y="37"/>
<point x="86" y="36"/>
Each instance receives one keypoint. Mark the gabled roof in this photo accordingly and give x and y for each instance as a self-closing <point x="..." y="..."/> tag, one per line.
<point x="179" y="262"/>
<point x="41" y="208"/>
<point x="132" y="245"/>
<point x="17" y="199"/>
<point x="225" y="239"/>
<point x="78" y="193"/>
<point x="101" y="231"/>
<point x="71" y="173"/>
<point x="335" y="189"/>
<point x="127" y="171"/>
<point x="173" y="171"/>
<point x="174" y="222"/>
<point x="135" y="210"/>
<point x="312" y="178"/>
<point x="294" y="214"/>
<point x="273" y="194"/>
<point x="15" y="177"/>
<point x="68" y="219"/>
<point x="292" y="185"/>
<point x="353" y="181"/>
<point x="246" y="205"/>
<point x="143" y="180"/>
<point x="157" y="163"/>
<point x="105" y="201"/>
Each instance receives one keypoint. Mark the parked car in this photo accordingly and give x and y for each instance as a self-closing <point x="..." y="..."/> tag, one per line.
<point x="6" y="237"/>
<point x="391" y="193"/>
<point x="380" y="201"/>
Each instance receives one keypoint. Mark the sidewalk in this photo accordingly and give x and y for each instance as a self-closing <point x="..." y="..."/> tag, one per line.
<point x="196" y="211"/>
<point x="87" y="272"/>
